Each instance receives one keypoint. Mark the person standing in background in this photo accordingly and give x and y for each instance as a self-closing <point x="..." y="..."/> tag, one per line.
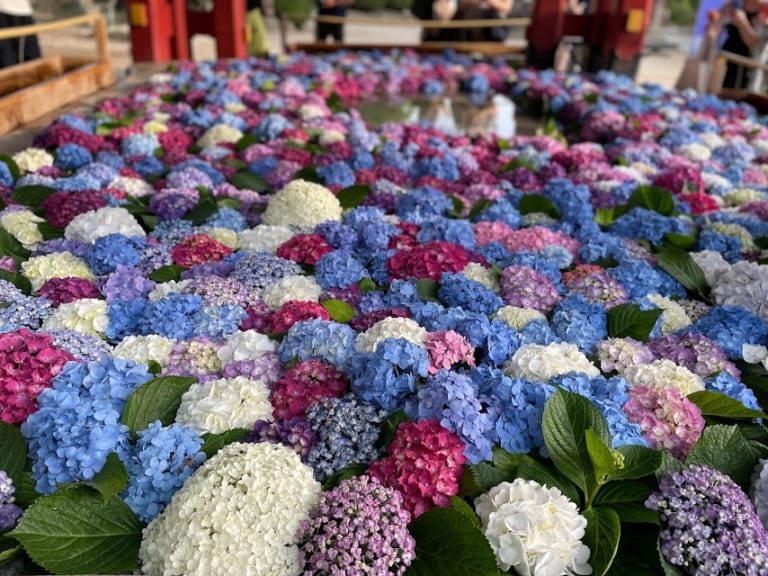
<point x="17" y="50"/>
<point x="335" y="30"/>
<point x="741" y="22"/>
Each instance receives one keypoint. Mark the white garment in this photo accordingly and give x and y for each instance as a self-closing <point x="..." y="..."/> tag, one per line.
<point x="16" y="7"/>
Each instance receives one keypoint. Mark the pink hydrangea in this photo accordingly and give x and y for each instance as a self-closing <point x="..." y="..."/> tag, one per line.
<point x="524" y="287"/>
<point x="198" y="249"/>
<point x="304" y="384"/>
<point x="424" y="463"/>
<point x="536" y="238"/>
<point x="666" y="419"/>
<point x="493" y="231"/>
<point x="304" y="248"/>
<point x="293" y="311"/>
<point x="63" y="290"/>
<point x="428" y="260"/>
<point x="447" y="348"/>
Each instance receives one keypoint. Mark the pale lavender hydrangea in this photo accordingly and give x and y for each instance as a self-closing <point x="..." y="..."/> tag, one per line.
<point x="524" y="287"/>
<point x="618" y="354"/>
<point x="9" y="512"/>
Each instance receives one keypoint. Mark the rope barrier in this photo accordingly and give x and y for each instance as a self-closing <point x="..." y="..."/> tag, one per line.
<point x="411" y="22"/>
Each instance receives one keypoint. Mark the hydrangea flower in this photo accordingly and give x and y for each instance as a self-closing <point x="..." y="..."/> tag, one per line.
<point x="9" y="512"/>
<point x="302" y="204"/>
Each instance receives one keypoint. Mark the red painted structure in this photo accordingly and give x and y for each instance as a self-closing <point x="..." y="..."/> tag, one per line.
<point x="161" y="29"/>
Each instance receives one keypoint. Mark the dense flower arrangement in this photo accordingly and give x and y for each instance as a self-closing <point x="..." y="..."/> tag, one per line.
<point x="543" y="355"/>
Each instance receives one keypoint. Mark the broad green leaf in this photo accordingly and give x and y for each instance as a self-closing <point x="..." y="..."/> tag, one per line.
<point x="669" y="465"/>
<point x="212" y="443"/>
<point x="627" y="498"/>
<point x="478" y="207"/>
<point x="9" y="246"/>
<point x="111" y="479"/>
<point x="309" y="174"/>
<point x="484" y="476"/>
<point x="343" y="474"/>
<point x="531" y="469"/>
<point x="367" y="285"/>
<point x="26" y="494"/>
<point x="231" y="203"/>
<point x="13" y="451"/>
<point x="629" y="321"/>
<point x="448" y="544"/>
<point x="168" y="273"/>
<point x="334" y="102"/>
<point x="602" y="538"/>
<point x="13" y="168"/>
<point x="683" y="268"/>
<point x="603" y="459"/>
<point x="604" y="216"/>
<point x="653" y="198"/>
<point x="724" y="448"/>
<point x="532" y="203"/>
<point x="157" y="399"/>
<point x="338" y="310"/>
<point x="205" y="208"/>
<point x="245" y="180"/>
<point x="506" y="462"/>
<point x="17" y="280"/>
<point x="352" y="196"/>
<point x="32" y="196"/>
<point x="235" y="163"/>
<point x="567" y="417"/>
<point x="427" y="289"/>
<point x="460" y="505"/>
<point x="246" y="141"/>
<point x="722" y="406"/>
<point x="637" y="461"/>
<point x="389" y="427"/>
<point x="518" y="163"/>
<point x="669" y="569"/>
<point x="683" y="241"/>
<point x="50" y="232"/>
<point x="76" y="532"/>
<point x="9" y="552"/>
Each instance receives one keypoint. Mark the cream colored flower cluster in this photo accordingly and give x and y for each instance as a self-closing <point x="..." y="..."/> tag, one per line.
<point x="219" y="134"/>
<point x="302" y="204"/>
<point x="144" y="349"/>
<point x="264" y="238"/>
<point x="661" y="374"/>
<point x="534" y="529"/>
<point x="516" y="317"/>
<point x="392" y="327"/>
<point x="22" y="225"/>
<point x="245" y="345"/>
<point x="87" y="315"/>
<point x="542" y="362"/>
<point x="293" y="287"/>
<point x="135" y="187"/>
<point x="238" y="514"/>
<point x="220" y="405"/>
<point x="674" y="317"/>
<point x="38" y="269"/>
<point x="94" y="224"/>
<point x="32" y="159"/>
<point x="481" y="274"/>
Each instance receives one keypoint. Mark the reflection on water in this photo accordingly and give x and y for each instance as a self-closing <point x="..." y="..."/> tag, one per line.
<point x="453" y="114"/>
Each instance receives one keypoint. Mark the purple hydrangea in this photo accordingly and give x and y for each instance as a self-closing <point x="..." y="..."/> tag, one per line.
<point x="295" y="432"/>
<point x="9" y="512"/>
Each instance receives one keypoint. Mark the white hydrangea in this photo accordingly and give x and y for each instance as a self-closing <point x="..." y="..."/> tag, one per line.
<point x="22" y="225"/>
<point x="97" y="223"/>
<point x="516" y="317"/>
<point x="633" y="173"/>
<point x="661" y="374"/>
<point x="226" y="236"/>
<point x="534" y="529"/>
<point x="481" y="274"/>
<point x="758" y="491"/>
<point x="32" y="159"/>
<point x="312" y="111"/>
<point x="695" y="151"/>
<point x="330" y="136"/>
<point x="235" y="107"/>
<point x="712" y="264"/>
<point x="154" y="126"/>
<point x="163" y="289"/>
<point x="643" y="169"/>
<point x="714" y="181"/>
<point x="135" y="187"/>
<point x="760" y="145"/>
<point x="542" y="362"/>
<point x="674" y="317"/>
<point x="87" y="315"/>
<point x="745" y="284"/>
<point x="390" y="328"/>
<point x="711" y="140"/>
<point x="220" y="405"/>
<point x="245" y="345"/>
<point x="741" y="196"/>
<point x="264" y="238"/>
<point x="218" y="134"/>
<point x="293" y="287"/>
<point x="143" y="349"/>
<point x="302" y="204"/>
<point x="38" y="269"/>
<point x="237" y="514"/>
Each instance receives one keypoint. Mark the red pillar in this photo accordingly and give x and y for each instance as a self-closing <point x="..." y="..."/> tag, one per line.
<point x="545" y="32"/>
<point x="226" y="23"/>
<point x="158" y="30"/>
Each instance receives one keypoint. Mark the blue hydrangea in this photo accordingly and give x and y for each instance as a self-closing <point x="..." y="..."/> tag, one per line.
<point x="124" y="317"/>
<point x="729" y="246"/>
<point x="726" y="384"/>
<point x="731" y="327"/>
<point x="218" y="322"/>
<point x="270" y="126"/>
<point x="644" y="224"/>
<point x="227" y="218"/>
<point x="174" y="316"/>
<point x="447" y="230"/>
<point x="111" y="159"/>
<point x="339" y="269"/>
<point x="572" y="201"/>
<point x="472" y="325"/>
<point x="323" y="339"/>
<point x="148" y="166"/>
<point x="374" y="238"/>
<point x="640" y="278"/>
<point x="579" y="322"/>
<point x="453" y="399"/>
<point x="443" y="167"/>
<point x="158" y="464"/>
<point x="495" y="253"/>
<point x="425" y="201"/>
<point x="214" y="175"/>
<point x="521" y="411"/>
<point x="84" y="347"/>
<point x="78" y="422"/>
<point x="101" y="174"/>
<point x="456" y="290"/>
<point x="25" y="311"/>
<point x="72" y="156"/>
<point x="502" y="210"/>
<point x="362" y="160"/>
<point x="501" y="343"/>
<point x="538" y="262"/>
<point x="139" y="145"/>
<point x="257" y="271"/>
<point x="537" y="332"/>
<point x="340" y="236"/>
<point x="387" y="376"/>
<point x="113" y="250"/>
<point x="337" y="174"/>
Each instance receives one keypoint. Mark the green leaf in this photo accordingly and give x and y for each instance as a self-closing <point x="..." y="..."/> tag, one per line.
<point x="235" y="163"/>
<point x="245" y="180"/>
<point x="367" y="285"/>
<point x="627" y="498"/>
<point x="157" y="399"/>
<point x="602" y="457"/>
<point x="604" y="216"/>
<point x="13" y="451"/>
<point x="669" y="464"/>
<point x="722" y="406"/>
<point x="339" y="310"/>
<point x="343" y="474"/>
<point x="448" y="544"/>
<point x="653" y="198"/>
<point x="427" y="289"/>
<point x="32" y="196"/>
<point x="682" y="241"/>
<point x="76" y="532"/>
<point x="478" y="207"/>
<point x="205" y="208"/>
<point x="111" y="479"/>
<point x="505" y="462"/>
<point x="683" y="268"/>
<point x="485" y="476"/>
<point x="567" y="417"/>
<point x="638" y="461"/>
<point x="309" y="174"/>
<point x="532" y="203"/>
<point x="26" y="494"/>
<point x="669" y="569"/>
<point x="389" y="427"/>
<point x="334" y="102"/>
<point x="17" y="280"/>
<point x="9" y="552"/>
<point x="49" y="231"/>
<point x="629" y="321"/>
<point x="246" y="141"/>
<point x="168" y="273"/>
<point x="212" y="443"/>
<point x="13" y="168"/>
<point x="724" y="448"/>
<point x="602" y="537"/>
<point x="531" y="469"/>
<point x="518" y="163"/>
<point x="460" y="505"/>
<point x="352" y="196"/>
<point x="9" y="246"/>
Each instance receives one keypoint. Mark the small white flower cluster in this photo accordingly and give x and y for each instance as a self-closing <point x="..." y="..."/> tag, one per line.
<point x="312" y="111"/>
<point x="22" y="225"/>
<point x="392" y="327"/>
<point x="102" y="222"/>
<point x="238" y="514"/>
<point x="661" y="374"/>
<point x="163" y="289"/>
<point x="760" y="145"/>
<point x="302" y="204"/>
<point x="712" y="264"/>
<point x="245" y="345"/>
<point x="87" y="315"/>
<point x="516" y="317"/>
<point x="263" y="238"/>
<point x="714" y="181"/>
<point x="540" y="362"/>
<point x="293" y="287"/>
<point x="32" y="159"/>
<point x="38" y="269"/>
<point x="331" y="136"/>
<point x="741" y="284"/>
<point x="694" y="151"/>
<point x="143" y="349"/>
<point x="135" y="187"/>
<point x="633" y="173"/>
<point x="220" y="405"/>
<point x="674" y="317"/>
<point x="219" y="133"/>
<point x="759" y="491"/>
<point x="481" y="274"/>
<point x="711" y="140"/>
<point x="534" y="529"/>
<point x="226" y="236"/>
<point x="741" y="196"/>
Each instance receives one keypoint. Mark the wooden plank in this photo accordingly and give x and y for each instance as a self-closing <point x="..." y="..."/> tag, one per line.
<point x="17" y="77"/>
